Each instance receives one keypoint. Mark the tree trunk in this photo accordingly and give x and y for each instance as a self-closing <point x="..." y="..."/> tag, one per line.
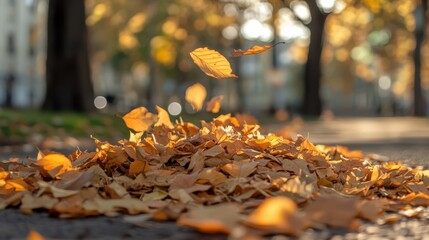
<point x="312" y="103"/>
<point x="68" y="78"/>
<point x="419" y="100"/>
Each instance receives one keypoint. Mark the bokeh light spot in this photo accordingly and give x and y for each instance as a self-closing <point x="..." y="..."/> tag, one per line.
<point x="174" y="108"/>
<point x="100" y="102"/>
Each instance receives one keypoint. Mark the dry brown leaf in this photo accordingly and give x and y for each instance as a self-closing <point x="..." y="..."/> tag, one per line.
<point x="139" y="119"/>
<point x="212" y="63"/>
<point x="253" y="50"/>
<point x="416" y="199"/>
<point x="75" y="180"/>
<point x="240" y="169"/>
<point x="30" y="202"/>
<point x="195" y="95"/>
<point x="214" y="104"/>
<point x="136" y="168"/>
<point x="346" y="210"/>
<point x="111" y="207"/>
<point x="221" y="218"/>
<point x="54" y="164"/>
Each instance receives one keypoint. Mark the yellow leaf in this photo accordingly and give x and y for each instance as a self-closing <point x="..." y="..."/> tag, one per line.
<point x="139" y="119"/>
<point x="212" y="63"/>
<point x="163" y="118"/>
<point x="253" y="50"/>
<point x="214" y="104"/>
<point x="195" y="95"/>
<point x="53" y="164"/>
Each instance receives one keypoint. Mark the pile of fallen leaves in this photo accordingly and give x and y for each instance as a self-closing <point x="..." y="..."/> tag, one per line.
<point x="223" y="176"/>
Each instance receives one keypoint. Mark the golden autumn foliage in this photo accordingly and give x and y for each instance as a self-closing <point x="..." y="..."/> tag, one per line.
<point x="216" y="177"/>
<point x="212" y="63"/>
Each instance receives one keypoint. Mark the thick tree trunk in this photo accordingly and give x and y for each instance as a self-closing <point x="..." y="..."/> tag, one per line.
<point x="68" y="78"/>
<point x="312" y="103"/>
<point x="419" y="100"/>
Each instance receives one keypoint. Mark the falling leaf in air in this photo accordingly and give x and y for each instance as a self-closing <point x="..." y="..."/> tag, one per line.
<point x="214" y="104"/>
<point x="195" y="95"/>
<point x="212" y="63"/>
<point x="253" y="50"/>
<point x="139" y="119"/>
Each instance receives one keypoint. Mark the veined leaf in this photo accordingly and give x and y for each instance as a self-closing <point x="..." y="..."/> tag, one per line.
<point x="212" y="63"/>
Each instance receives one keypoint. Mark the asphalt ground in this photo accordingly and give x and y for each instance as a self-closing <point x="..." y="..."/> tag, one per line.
<point x="397" y="139"/>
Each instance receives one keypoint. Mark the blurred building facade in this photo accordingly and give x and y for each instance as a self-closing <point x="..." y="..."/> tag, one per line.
<point x="22" y="52"/>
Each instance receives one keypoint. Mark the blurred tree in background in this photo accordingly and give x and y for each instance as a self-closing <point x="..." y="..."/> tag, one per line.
<point x="355" y="56"/>
<point x="68" y="78"/>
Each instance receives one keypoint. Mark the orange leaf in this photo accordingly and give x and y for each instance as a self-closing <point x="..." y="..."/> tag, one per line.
<point x="195" y="95"/>
<point x="34" y="235"/>
<point x="136" y="168"/>
<point x="253" y="50"/>
<point x="277" y="215"/>
<point x="214" y="104"/>
<point x="139" y="119"/>
<point x="54" y="164"/>
<point x="416" y="199"/>
<point x="212" y="63"/>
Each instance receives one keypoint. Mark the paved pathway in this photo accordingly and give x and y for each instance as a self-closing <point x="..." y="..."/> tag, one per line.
<point x="405" y="139"/>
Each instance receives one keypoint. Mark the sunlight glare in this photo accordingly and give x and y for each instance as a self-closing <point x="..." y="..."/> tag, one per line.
<point x="326" y="5"/>
<point x="301" y="10"/>
<point x="251" y="29"/>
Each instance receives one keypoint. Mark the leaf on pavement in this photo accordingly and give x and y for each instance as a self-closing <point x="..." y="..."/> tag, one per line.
<point x="221" y="218"/>
<point x="195" y="95"/>
<point x="34" y="235"/>
<point x="212" y="63"/>
<point x="253" y="50"/>
<point x="346" y="210"/>
<point x="139" y="119"/>
<point x="277" y="215"/>
<point x="53" y="164"/>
